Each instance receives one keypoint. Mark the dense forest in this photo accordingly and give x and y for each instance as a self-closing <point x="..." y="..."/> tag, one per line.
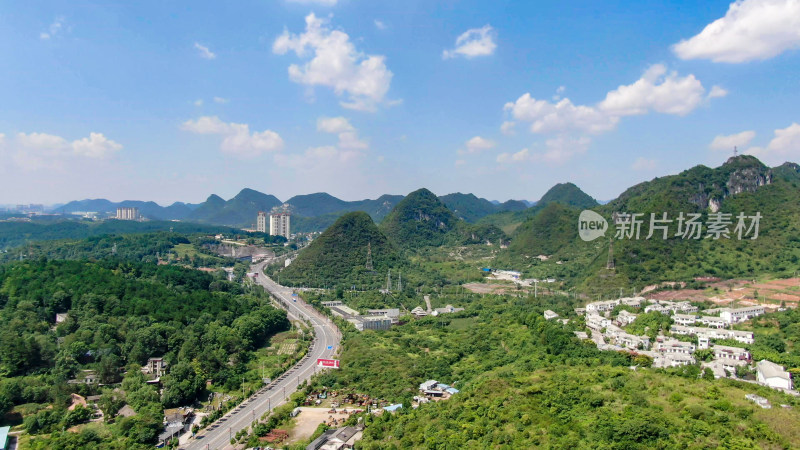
<point x="119" y="314"/>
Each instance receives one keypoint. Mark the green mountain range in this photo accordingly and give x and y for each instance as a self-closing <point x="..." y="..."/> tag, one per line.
<point x="742" y="185"/>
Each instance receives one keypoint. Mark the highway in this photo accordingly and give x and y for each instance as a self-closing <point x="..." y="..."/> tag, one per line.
<point x="324" y="345"/>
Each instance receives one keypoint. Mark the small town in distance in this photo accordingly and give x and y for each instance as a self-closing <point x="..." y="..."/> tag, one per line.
<point x="338" y="224"/>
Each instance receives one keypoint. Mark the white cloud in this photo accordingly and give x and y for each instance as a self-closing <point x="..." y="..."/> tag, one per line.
<point x="237" y="137"/>
<point x="348" y="137"/>
<point x="53" y="30"/>
<point x="198" y="102"/>
<point x="717" y="92"/>
<point x="204" y="52"/>
<point x="507" y="127"/>
<point x="520" y="156"/>
<point x="644" y="164"/>
<point x="220" y="100"/>
<point x="315" y="2"/>
<point x="95" y="146"/>
<point x="751" y="30"/>
<point x="333" y="125"/>
<point x="363" y="79"/>
<point x="476" y="145"/>
<point x="785" y="146"/>
<point x="547" y="117"/>
<point x="379" y="24"/>
<point x="33" y="151"/>
<point x="656" y="91"/>
<point x="727" y="143"/>
<point x="473" y="42"/>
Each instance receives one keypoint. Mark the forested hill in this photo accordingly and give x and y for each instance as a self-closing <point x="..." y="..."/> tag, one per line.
<point x="121" y="313"/>
<point x="340" y="254"/>
<point x="16" y="234"/>
<point x="421" y="219"/>
<point x="741" y="185"/>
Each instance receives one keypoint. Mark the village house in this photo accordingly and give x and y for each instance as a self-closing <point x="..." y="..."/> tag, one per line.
<point x="630" y="341"/>
<point x="601" y="307"/>
<point x="336" y="439"/>
<point x="770" y="374"/>
<point x="684" y="319"/>
<point x="635" y="302"/>
<point x="548" y="315"/>
<point x="625" y="318"/>
<point x="741" y="314"/>
<point x="155" y="366"/>
<point x="596" y="322"/>
<point x="713" y="322"/>
<point x="731" y="357"/>
<point x="664" y="360"/>
<point x="674" y="346"/>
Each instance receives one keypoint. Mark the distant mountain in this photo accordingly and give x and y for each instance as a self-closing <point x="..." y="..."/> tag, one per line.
<point x="240" y="211"/>
<point x="419" y="220"/>
<point x="151" y="210"/>
<point x="468" y="206"/>
<point x="339" y="256"/>
<point x="471" y="208"/>
<point x="564" y="193"/>
<point x="324" y="206"/>
<point x="567" y="194"/>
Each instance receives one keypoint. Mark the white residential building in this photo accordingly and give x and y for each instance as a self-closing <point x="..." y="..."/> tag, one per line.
<point x="713" y="322"/>
<point x="744" y="337"/>
<point x="261" y="222"/>
<point x="601" y="307"/>
<point x="741" y="314"/>
<point x="635" y="302"/>
<point x="730" y="357"/>
<point x="684" y="319"/>
<point x="625" y="318"/>
<point x="674" y="346"/>
<point x="672" y="360"/>
<point x="631" y="341"/>
<point x="128" y="214"/>
<point x="597" y="322"/>
<point x="770" y="374"/>
<point x="279" y="224"/>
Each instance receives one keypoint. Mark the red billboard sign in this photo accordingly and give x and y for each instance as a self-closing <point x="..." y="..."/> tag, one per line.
<point x="328" y="363"/>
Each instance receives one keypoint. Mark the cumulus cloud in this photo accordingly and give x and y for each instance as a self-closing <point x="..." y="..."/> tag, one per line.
<point x="95" y="146"/>
<point x="33" y="151"/>
<point x="643" y="164"/>
<point x="53" y="30"/>
<point x="379" y="24"/>
<point x="473" y="42"/>
<point x="476" y="145"/>
<point x="204" y="52"/>
<point x="507" y="127"/>
<point x="363" y="80"/>
<point x="334" y="125"/>
<point x="750" y="30"/>
<point x="348" y="137"/>
<point x="785" y="146"/>
<point x="717" y="92"/>
<point x="656" y="91"/>
<point x="238" y="140"/>
<point x="522" y="155"/>
<point x="728" y="142"/>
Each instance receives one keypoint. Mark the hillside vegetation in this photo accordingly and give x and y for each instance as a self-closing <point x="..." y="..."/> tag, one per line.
<point x="339" y="256"/>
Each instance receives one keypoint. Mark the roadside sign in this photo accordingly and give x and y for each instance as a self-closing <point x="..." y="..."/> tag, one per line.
<point x="330" y="347"/>
<point x="328" y="363"/>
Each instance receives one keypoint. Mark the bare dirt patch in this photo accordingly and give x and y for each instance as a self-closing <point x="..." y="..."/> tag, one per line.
<point x="309" y="419"/>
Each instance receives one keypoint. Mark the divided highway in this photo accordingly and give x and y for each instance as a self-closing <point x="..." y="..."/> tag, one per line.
<point x="324" y="345"/>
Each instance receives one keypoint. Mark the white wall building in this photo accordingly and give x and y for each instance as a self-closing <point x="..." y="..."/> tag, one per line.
<point x="128" y="214"/>
<point x="279" y="224"/>
<point x="770" y="374"/>
<point x="741" y="314"/>
<point x="261" y="222"/>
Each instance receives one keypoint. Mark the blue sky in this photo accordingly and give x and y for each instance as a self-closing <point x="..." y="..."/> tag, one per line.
<point x="171" y="101"/>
